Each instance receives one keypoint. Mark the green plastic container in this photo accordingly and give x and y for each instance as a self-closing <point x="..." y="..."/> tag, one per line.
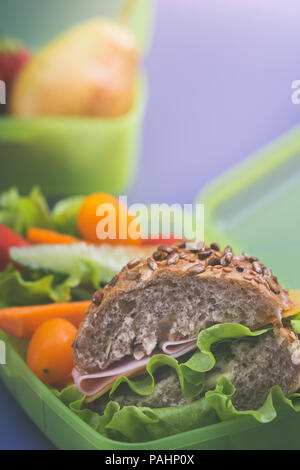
<point x="67" y="156"/>
<point x="255" y="207"/>
<point x="257" y="193"/>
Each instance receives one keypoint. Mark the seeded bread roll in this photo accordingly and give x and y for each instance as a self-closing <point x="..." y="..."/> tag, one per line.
<point x="173" y="295"/>
<point x="253" y="365"/>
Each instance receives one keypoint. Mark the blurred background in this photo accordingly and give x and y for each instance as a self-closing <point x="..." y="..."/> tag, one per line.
<point x="219" y="76"/>
<point x="220" y="88"/>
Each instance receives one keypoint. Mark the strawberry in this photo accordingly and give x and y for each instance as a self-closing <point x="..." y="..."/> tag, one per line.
<point x="13" y="56"/>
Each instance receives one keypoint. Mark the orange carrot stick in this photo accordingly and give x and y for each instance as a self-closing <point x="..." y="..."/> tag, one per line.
<point x="22" y="322"/>
<point x="39" y="235"/>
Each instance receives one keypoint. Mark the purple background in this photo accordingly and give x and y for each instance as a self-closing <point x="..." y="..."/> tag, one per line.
<point x="220" y="77"/>
<point x="220" y="88"/>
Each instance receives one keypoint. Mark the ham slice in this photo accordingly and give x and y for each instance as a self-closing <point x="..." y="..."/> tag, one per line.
<point x="178" y="348"/>
<point x="96" y="384"/>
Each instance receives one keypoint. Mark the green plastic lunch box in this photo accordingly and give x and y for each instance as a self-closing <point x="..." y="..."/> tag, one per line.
<point x="254" y="206"/>
<point x="67" y="156"/>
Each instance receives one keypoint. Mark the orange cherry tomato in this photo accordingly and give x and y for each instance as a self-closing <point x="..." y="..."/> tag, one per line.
<point x="91" y="225"/>
<point x="49" y="354"/>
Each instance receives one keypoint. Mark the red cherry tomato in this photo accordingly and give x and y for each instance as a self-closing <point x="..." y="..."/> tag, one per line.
<point x="8" y="239"/>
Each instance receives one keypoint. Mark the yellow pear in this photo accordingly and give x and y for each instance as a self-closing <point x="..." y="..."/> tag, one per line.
<point x="90" y="70"/>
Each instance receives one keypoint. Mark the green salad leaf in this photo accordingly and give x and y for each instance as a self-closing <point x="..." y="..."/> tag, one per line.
<point x="60" y="273"/>
<point x="17" y="289"/>
<point x="135" y="424"/>
<point x="220" y="400"/>
<point x="140" y="424"/>
<point x="220" y="333"/>
<point x="21" y="212"/>
<point x="295" y="322"/>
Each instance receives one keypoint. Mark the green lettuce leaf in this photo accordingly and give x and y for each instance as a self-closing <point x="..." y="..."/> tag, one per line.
<point x="141" y="424"/>
<point x="220" y="333"/>
<point x="19" y="213"/>
<point x="295" y="322"/>
<point x="72" y="398"/>
<point x="134" y="424"/>
<point x="191" y="379"/>
<point x="64" y="215"/>
<point x="15" y="290"/>
<point x="296" y="326"/>
<point x="60" y="273"/>
<point x="220" y="400"/>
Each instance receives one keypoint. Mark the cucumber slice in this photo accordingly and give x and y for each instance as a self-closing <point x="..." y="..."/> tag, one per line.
<point x="96" y="264"/>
